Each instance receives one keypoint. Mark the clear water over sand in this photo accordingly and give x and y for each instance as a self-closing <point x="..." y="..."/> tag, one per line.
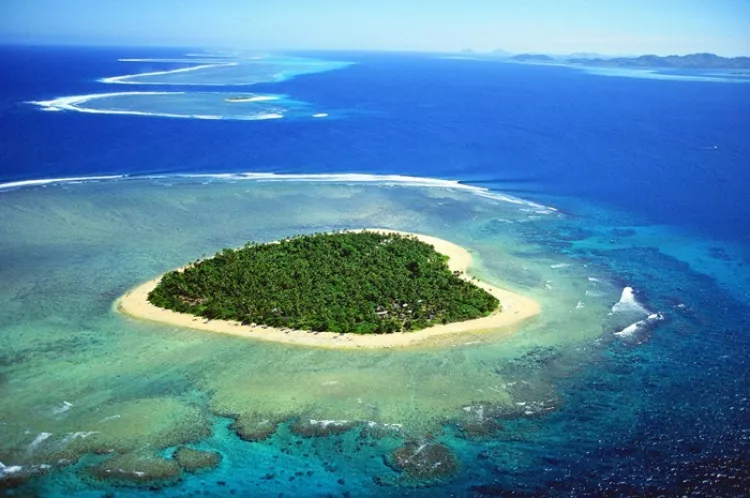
<point x="85" y="379"/>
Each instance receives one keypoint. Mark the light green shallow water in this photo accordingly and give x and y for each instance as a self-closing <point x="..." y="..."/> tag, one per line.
<point x="73" y="367"/>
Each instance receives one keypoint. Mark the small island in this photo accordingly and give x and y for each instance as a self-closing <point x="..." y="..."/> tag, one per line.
<point x="345" y="282"/>
<point x="368" y="288"/>
<point x="240" y="99"/>
<point x="533" y="58"/>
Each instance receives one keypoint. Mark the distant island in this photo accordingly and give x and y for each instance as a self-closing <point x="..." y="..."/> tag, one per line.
<point x="357" y="289"/>
<point x="692" y="61"/>
<point x="240" y="99"/>
<point x="346" y="282"/>
<point x="533" y="58"/>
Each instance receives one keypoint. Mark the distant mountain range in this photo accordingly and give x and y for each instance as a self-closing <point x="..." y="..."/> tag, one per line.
<point x="534" y="58"/>
<point x="692" y="61"/>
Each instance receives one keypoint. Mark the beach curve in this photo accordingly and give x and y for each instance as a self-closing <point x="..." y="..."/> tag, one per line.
<point x="515" y="309"/>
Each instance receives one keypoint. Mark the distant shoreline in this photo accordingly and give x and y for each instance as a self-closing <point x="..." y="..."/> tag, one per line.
<point x="515" y="309"/>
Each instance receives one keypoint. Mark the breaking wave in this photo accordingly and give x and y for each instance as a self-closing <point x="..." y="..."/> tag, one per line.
<point x="261" y="110"/>
<point x="628" y="303"/>
<point x="629" y="308"/>
<point x="347" y="178"/>
<point x="127" y="79"/>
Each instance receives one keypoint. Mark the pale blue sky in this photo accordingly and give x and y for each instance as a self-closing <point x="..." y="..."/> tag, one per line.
<point x="553" y="26"/>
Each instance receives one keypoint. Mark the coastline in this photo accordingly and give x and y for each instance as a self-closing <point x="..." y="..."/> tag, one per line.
<point x="515" y="309"/>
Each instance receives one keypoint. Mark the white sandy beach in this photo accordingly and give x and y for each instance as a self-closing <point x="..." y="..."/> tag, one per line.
<point x="515" y="309"/>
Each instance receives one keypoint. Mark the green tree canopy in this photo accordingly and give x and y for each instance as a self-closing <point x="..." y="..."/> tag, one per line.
<point x="363" y="282"/>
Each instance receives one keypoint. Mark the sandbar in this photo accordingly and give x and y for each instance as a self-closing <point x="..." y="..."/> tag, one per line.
<point x="515" y="308"/>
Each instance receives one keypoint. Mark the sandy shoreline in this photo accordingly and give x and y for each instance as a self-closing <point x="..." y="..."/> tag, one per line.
<point x="515" y="309"/>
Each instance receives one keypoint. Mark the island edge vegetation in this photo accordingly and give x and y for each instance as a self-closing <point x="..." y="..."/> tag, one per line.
<point x="347" y="282"/>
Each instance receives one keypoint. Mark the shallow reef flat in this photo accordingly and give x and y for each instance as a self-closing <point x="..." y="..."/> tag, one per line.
<point x="218" y="74"/>
<point x="95" y="391"/>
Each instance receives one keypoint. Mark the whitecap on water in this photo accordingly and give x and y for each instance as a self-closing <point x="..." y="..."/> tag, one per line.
<point x="628" y="303"/>
<point x="64" y="407"/>
<point x="638" y="332"/>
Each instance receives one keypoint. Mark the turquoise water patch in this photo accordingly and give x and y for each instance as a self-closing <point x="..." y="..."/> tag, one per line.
<point x="102" y="383"/>
<point x="99" y="401"/>
<point x="235" y="70"/>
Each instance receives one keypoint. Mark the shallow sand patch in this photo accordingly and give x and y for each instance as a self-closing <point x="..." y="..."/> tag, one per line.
<point x="515" y="309"/>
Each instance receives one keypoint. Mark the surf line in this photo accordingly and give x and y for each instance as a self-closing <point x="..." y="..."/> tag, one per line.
<point x="345" y="178"/>
<point x="125" y="80"/>
<point x="73" y="103"/>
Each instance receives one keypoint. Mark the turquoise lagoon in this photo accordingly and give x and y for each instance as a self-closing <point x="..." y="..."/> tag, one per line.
<point x="632" y="381"/>
<point x="89" y="385"/>
<point x="193" y="79"/>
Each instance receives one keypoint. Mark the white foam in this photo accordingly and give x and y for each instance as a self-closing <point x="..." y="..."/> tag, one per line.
<point x="320" y="115"/>
<point x="477" y="411"/>
<point x="43" y="436"/>
<point x="538" y="208"/>
<point x="46" y="181"/>
<point x="326" y="423"/>
<point x="7" y="471"/>
<point x="270" y="115"/>
<point x="254" y="98"/>
<point x="125" y="80"/>
<point x="388" y="180"/>
<point x="400" y="180"/>
<point x="632" y="330"/>
<point x="262" y="98"/>
<point x="78" y="435"/>
<point x="628" y="303"/>
<point x="76" y="103"/>
<point x="73" y="103"/>
<point x="64" y="407"/>
<point x="559" y="265"/>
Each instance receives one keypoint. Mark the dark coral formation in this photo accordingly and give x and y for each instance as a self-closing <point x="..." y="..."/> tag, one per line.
<point x="423" y="462"/>
<point x="131" y="469"/>
<point x="478" y="429"/>
<point x="320" y="428"/>
<point x="373" y="430"/>
<point x="192" y="460"/>
<point x="12" y="477"/>
<point x="480" y="421"/>
<point x="253" y="429"/>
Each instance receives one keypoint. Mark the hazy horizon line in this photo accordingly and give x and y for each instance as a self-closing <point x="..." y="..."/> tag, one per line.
<point x="465" y="51"/>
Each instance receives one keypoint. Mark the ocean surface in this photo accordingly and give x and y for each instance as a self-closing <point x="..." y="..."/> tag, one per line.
<point x="619" y="201"/>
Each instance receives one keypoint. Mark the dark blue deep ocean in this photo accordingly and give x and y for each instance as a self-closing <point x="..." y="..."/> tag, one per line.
<point x="676" y="152"/>
<point x="653" y="152"/>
